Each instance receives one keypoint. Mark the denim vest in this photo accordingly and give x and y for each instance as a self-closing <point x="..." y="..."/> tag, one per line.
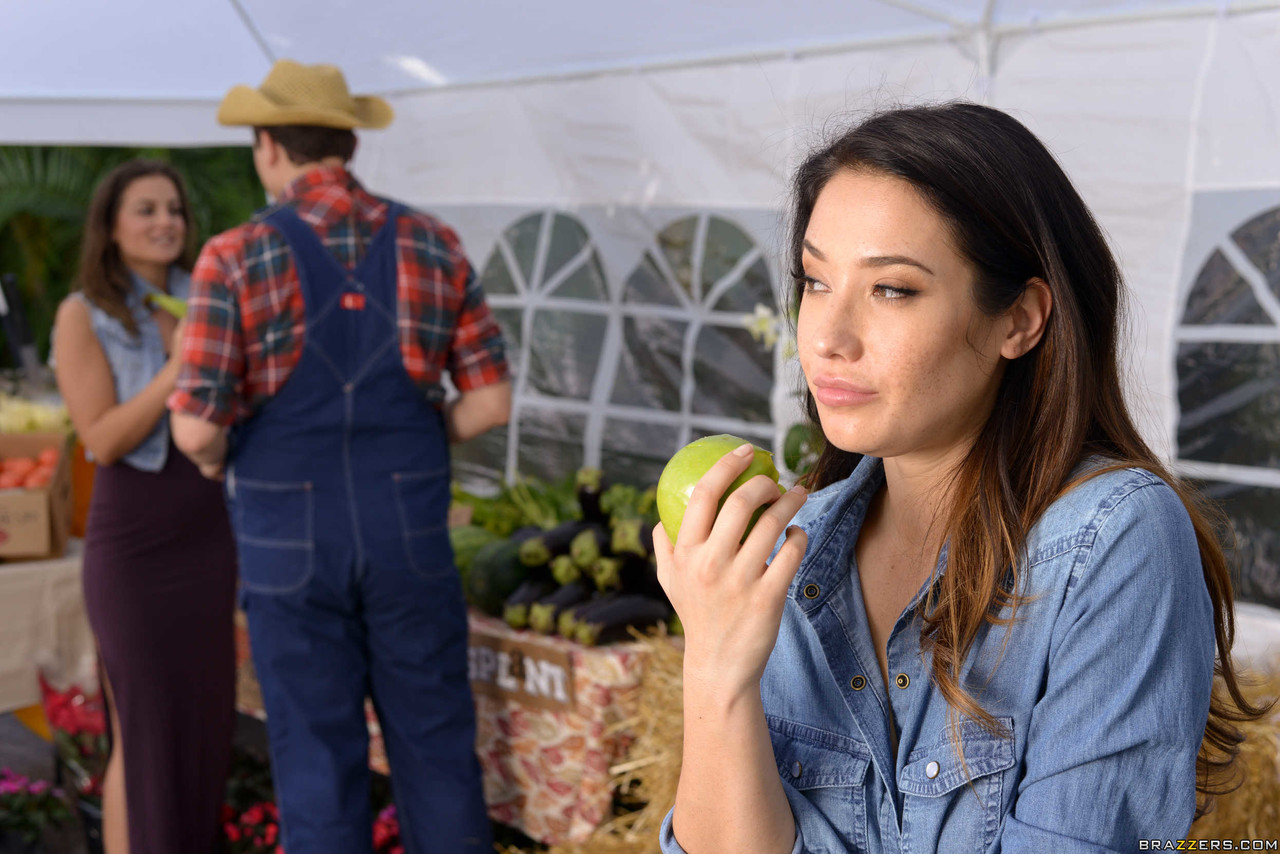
<point x="1101" y="688"/>
<point x="135" y="360"/>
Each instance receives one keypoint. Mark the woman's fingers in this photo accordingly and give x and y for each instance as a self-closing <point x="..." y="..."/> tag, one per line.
<point x="740" y="507"/>
<point x="759" y="544"/>
<point x="782" y="569"/>
<point x="704" y="502"/>
<point x="662" y="552"/>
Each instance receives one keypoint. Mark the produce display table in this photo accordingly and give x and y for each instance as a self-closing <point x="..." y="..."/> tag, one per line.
<point x="43" y="627"/>
<point x="546" y="711"/>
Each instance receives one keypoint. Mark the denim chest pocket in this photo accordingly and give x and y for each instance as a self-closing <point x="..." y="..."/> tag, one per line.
<point x="954" y="806"/>
<point x="422" y="504"/>
<point x="830" y="771"/>
<point x="274" y="527"/>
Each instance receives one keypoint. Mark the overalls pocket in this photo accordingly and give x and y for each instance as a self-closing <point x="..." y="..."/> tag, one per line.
<point x="958" y="804"/>
<point x="422" y="504"/>
<point x="274" y="525"/>
<point x="829" y="771"/>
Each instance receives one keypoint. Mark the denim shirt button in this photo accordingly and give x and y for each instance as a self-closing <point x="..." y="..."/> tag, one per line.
<point x="931" y="770"/>
<point x="857" y="683"/>
<point x="796" y="768"/>
<point x="811" y="591"/>
<point x="903" y="680"/>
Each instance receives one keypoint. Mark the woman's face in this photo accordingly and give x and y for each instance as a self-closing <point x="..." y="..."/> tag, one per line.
<point x="150" y="229"/>
<point x="898" y="357"/>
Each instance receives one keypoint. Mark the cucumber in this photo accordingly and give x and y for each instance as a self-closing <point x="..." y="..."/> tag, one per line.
<point x="466" y="541"/>
<point x="495" y="574"/>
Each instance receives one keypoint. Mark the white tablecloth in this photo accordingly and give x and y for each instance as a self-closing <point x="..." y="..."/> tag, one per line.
<point x="43" y="625"/>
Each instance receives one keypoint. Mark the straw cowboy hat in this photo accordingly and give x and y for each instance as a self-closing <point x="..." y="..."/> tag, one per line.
<point x="296" y="94"/>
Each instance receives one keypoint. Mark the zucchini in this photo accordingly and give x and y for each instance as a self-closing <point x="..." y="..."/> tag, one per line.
<point x="495" y="574"/>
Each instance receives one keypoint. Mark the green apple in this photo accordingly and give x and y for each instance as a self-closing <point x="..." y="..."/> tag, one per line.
<point x="687" y="467"/>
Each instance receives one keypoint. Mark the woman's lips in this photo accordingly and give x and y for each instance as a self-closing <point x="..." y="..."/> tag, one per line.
<point x="835" y="392"/>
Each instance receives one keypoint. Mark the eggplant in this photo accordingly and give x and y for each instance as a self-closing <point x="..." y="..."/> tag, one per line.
<point x="629" y="537"/>
<point x="567" y="623"/>
<point x="590" y="543"/>
<point x="515" y="610"/>
<point x="627" y="573"/>
<point x="519" y="535"/>
<point x="547" y="545"/>
<point x="564" y="570"/>
<point x="544" y="612"/>
<point x="612" y="622"/>
<point x="589" y="484"/>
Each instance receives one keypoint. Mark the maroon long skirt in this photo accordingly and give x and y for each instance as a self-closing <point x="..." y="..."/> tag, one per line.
<point x="159" y="587"/>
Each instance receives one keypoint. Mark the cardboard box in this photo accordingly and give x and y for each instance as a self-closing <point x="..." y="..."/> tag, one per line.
<point x="35" y="523"/>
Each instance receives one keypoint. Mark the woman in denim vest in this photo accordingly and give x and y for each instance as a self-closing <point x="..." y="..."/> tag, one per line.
<point x="998" y="629"/>
<point x="159" y="560"/>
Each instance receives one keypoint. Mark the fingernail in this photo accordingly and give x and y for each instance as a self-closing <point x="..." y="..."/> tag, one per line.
<point x="744" y="450"/>
<point x="799" y="490"/>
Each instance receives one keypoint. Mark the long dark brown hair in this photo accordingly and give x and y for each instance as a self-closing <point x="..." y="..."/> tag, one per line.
<point x="1015" y="216"/>
<point x="103" y="276"/>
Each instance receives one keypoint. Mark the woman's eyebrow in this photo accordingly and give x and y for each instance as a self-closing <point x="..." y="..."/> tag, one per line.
<point x="874" y="260"/>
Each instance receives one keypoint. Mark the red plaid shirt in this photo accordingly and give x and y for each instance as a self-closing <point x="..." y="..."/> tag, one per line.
<point x="245" y="316"/>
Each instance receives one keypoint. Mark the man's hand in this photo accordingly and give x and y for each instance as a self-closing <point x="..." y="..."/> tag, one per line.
<point x="213" y="471"/>
<point x="473" y="412"/>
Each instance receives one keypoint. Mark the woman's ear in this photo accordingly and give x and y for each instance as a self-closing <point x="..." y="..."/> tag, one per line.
<point x="1027" y="318"/>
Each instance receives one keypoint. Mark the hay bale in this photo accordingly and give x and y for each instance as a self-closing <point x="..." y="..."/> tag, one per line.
<point x="1253" y="810"/>
<point x="649" y="772"/>
<point x="646" y="777"/>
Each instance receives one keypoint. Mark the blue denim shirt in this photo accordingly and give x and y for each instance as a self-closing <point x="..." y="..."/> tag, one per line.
<point x="1103" y="684"/>
<point x="135" y="360"/>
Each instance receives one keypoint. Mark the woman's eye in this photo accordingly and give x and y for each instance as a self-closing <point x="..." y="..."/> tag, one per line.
<point x="891" y="292"/>
<point x="812" y="285"/>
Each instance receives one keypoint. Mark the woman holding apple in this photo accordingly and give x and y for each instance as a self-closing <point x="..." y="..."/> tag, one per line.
<point x="998" y="631"/>
<point x="159" y="560"/>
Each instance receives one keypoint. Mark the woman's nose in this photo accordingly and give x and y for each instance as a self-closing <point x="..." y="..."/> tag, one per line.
<point x="835" y="334"/>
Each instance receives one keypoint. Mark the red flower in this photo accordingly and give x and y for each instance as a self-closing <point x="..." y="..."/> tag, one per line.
<point x="232" y="831"/>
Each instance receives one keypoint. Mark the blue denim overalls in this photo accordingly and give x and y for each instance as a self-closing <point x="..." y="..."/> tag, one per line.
<point x="339" y="490"/>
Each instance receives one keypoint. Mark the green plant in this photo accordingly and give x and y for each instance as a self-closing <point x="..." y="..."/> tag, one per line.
<point x="44" y="195"/>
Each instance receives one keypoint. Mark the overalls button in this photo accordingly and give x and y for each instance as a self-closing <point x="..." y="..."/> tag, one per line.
<point x="931" y="770"/>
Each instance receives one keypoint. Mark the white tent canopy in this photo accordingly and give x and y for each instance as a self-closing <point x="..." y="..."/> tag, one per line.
<point x="602" y="146"/>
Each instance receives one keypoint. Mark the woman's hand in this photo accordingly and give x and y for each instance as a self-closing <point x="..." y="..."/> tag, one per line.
<point x="173" y="344"/>
<point x="728" y="595"/>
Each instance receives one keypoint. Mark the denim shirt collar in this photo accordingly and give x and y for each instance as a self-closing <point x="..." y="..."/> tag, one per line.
<point x="832" y="518"/>
<point x="178" y="284"/>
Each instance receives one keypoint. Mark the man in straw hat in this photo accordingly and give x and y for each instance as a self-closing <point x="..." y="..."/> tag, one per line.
<point x="317" y="337"/>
